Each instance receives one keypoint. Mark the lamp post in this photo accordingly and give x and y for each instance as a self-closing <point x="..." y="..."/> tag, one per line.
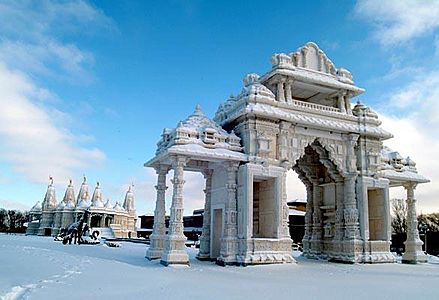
<point x="424" y="229"/>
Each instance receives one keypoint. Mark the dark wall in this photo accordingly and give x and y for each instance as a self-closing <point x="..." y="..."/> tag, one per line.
<point x="432" y="243"/>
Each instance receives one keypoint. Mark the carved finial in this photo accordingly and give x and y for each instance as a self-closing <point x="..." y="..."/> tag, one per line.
<point x="97" y="184"/>
<point x="50" y="180"/>
<point x="198" y="111"/>
<point x="85" y="178"/>
<point x="70" y="181"/>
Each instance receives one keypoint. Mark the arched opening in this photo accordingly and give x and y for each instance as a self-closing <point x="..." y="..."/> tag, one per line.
<point x="324" y="186"/>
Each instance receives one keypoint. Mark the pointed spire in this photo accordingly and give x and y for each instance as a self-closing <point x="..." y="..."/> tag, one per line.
<point x="69" y="197"/>
<point x="128" y="203"/>
<point x="96" y="199"/>
<point x="49" y="201"/>
<point x="83" y="200"/>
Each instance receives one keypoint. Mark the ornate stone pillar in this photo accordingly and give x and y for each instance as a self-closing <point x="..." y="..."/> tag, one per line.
<point x="229" y="245"/>
<point x="157" y="237"/>
<point x="317" y="230"/>
<point x="288" y="91"/>
<point x="350" y="212"/>
<point x="280" y="90"/>
<point x="308" y="219"/>
<point x="413" y="245"/>
<point x="339" y="218"/>
<point x="341" y="102"/>
<point x="285" y="219"/>
<point x="348" y="103"/>
<point x="204" y="253"/>
<point x="175" y="248"/>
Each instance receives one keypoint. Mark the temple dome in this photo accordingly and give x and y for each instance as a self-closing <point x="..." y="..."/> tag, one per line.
<point x="36" y="208"/>
<point x="118" y="207"/>
<point x="198" y="129"/>
<point x="254" y="89"/>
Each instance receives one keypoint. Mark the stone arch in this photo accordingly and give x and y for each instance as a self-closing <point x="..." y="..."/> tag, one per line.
<point x="323" y="180"/>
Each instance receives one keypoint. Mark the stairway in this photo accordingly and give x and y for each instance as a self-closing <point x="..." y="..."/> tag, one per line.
<point x="104" y="232"/>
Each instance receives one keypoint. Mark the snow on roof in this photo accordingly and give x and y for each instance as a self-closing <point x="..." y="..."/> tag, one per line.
<point x="295" y="212"/>
<point x="298" y="200"/>
<point x="36" y="208"/>
<point x="399" y="169"/>
<point x="198" y="129"/>
<point x="200" y="151"/>
<point x="298" y="117"/>
<point x="118" y="207"/>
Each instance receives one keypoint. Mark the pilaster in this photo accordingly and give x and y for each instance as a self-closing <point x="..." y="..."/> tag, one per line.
<point x="317" y="230"/>
<point x="308" y="219"/>
<point x="204" y="253"/>
<point x="229" y="244"/>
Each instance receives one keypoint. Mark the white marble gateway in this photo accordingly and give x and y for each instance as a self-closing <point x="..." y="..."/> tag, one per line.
<point x="296" y="116"/>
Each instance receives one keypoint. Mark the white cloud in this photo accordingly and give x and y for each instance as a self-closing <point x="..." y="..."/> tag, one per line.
<point x="411" y="140"/>
<point x="36" y="136"/>
<point x="412" y="116"/>
<point x="8" y="204"/>
<point x="295" y="188"/>
<point x="33" y="142"/>
<point x="400" y="21"/>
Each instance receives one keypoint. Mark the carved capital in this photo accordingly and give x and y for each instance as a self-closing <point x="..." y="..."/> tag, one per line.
<point x="162" y="169"/>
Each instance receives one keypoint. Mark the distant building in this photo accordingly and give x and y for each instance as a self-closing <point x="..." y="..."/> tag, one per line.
<point x="296" y="217"/>
<point x="193" y="225"/>
<point x="115" y="220"/>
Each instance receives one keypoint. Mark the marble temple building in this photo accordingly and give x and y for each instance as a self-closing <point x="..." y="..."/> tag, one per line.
<point x="110" y="220"/>
<point x="299" y="115"/>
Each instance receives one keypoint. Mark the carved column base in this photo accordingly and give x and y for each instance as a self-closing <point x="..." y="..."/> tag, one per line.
<point x="316" y="246"/>
<point x="229" y="247"/>
<point x="413" y="252"/>
<point x="156" y="247"/>
<point x="306" y="245"/>
<point x="265" y="251"/>
<point x="175" y="251"/>
<point x="352" y="251"/>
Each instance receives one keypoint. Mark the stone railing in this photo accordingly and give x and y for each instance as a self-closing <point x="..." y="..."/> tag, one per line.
<point x="314" y="106"/>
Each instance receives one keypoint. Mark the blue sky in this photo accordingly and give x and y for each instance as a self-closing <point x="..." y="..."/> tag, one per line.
<point x="86" y="87"/>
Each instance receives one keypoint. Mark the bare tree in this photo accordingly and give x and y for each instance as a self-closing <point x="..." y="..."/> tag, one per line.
<point x="399" y="215"/>
<point x="429" y="221"/>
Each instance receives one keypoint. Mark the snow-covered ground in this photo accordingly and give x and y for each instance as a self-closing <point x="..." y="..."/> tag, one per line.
<point x="39" y="268"/>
